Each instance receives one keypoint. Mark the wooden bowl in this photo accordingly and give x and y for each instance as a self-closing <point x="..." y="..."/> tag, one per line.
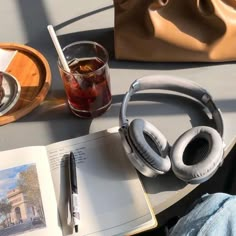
<point x="32" y="71"/>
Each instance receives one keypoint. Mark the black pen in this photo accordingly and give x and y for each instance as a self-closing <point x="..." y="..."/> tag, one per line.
<point x="75" y="215"/>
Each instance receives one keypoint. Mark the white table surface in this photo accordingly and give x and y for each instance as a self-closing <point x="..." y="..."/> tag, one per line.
<point x="26" y="21"/>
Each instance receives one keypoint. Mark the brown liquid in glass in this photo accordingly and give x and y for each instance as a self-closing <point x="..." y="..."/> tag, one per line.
<point x="89" y="94"/>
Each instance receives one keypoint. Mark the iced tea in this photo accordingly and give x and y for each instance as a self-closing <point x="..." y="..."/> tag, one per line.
<point x="87" y="86"/>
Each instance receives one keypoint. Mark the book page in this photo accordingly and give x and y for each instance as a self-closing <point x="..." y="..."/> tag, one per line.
<point x="27" y="199"/>
<point x="112" y="199"/>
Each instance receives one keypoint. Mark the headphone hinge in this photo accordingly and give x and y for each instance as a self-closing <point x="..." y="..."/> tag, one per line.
<point x="135" y="86"/>
<point x="124" y="128"/>
<point x="216" y="113"/>
<point x="125" y="125"/>
<point x="208" y="102"/>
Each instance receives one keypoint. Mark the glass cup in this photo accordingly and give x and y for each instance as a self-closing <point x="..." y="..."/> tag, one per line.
<point x="87" y="85"/>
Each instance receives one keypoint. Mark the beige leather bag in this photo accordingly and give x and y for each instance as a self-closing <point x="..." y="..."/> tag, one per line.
<point x="175" y="30"/>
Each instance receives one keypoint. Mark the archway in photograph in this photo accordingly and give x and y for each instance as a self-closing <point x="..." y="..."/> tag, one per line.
<point x="18" y="214"/>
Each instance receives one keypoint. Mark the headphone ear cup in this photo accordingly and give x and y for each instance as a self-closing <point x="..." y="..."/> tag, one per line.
<point x="197" y="154"/>
<point x="149" y="144"/>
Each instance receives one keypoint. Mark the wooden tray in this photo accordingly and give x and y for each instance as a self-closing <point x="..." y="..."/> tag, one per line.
<point x="32" y="71"/>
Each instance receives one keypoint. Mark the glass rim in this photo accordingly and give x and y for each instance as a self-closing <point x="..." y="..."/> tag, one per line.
<point x="84" y="42"/>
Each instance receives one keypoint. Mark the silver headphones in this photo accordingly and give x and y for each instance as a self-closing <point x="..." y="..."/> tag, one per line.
<point x="148" y="149"/>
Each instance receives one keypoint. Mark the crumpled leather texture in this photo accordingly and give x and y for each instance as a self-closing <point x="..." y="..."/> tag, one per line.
<point x="175" y="30"/>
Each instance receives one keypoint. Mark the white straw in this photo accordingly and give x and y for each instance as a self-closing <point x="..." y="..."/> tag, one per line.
<point x="58" y="48"/>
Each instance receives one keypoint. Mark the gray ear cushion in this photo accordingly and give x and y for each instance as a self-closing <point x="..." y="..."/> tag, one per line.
<point x="155" y="151"/>
<point x="208" y="161"/>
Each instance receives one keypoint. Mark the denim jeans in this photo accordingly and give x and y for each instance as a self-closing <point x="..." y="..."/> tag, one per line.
<point x="212" y="215"/>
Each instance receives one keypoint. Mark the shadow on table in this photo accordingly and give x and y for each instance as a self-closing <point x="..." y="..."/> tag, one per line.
<point x="64" y="125"/>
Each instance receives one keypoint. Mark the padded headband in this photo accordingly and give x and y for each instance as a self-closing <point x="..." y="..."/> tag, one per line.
<point x="175" y="84"/>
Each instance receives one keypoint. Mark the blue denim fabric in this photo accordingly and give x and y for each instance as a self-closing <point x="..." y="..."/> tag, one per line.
<point x="212" y="215"/>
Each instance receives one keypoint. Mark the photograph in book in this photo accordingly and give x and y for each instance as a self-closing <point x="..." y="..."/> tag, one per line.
<point x="21" y="208"/>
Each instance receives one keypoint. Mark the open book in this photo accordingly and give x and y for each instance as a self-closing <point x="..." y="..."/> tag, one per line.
<point x="34" y="189"/>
